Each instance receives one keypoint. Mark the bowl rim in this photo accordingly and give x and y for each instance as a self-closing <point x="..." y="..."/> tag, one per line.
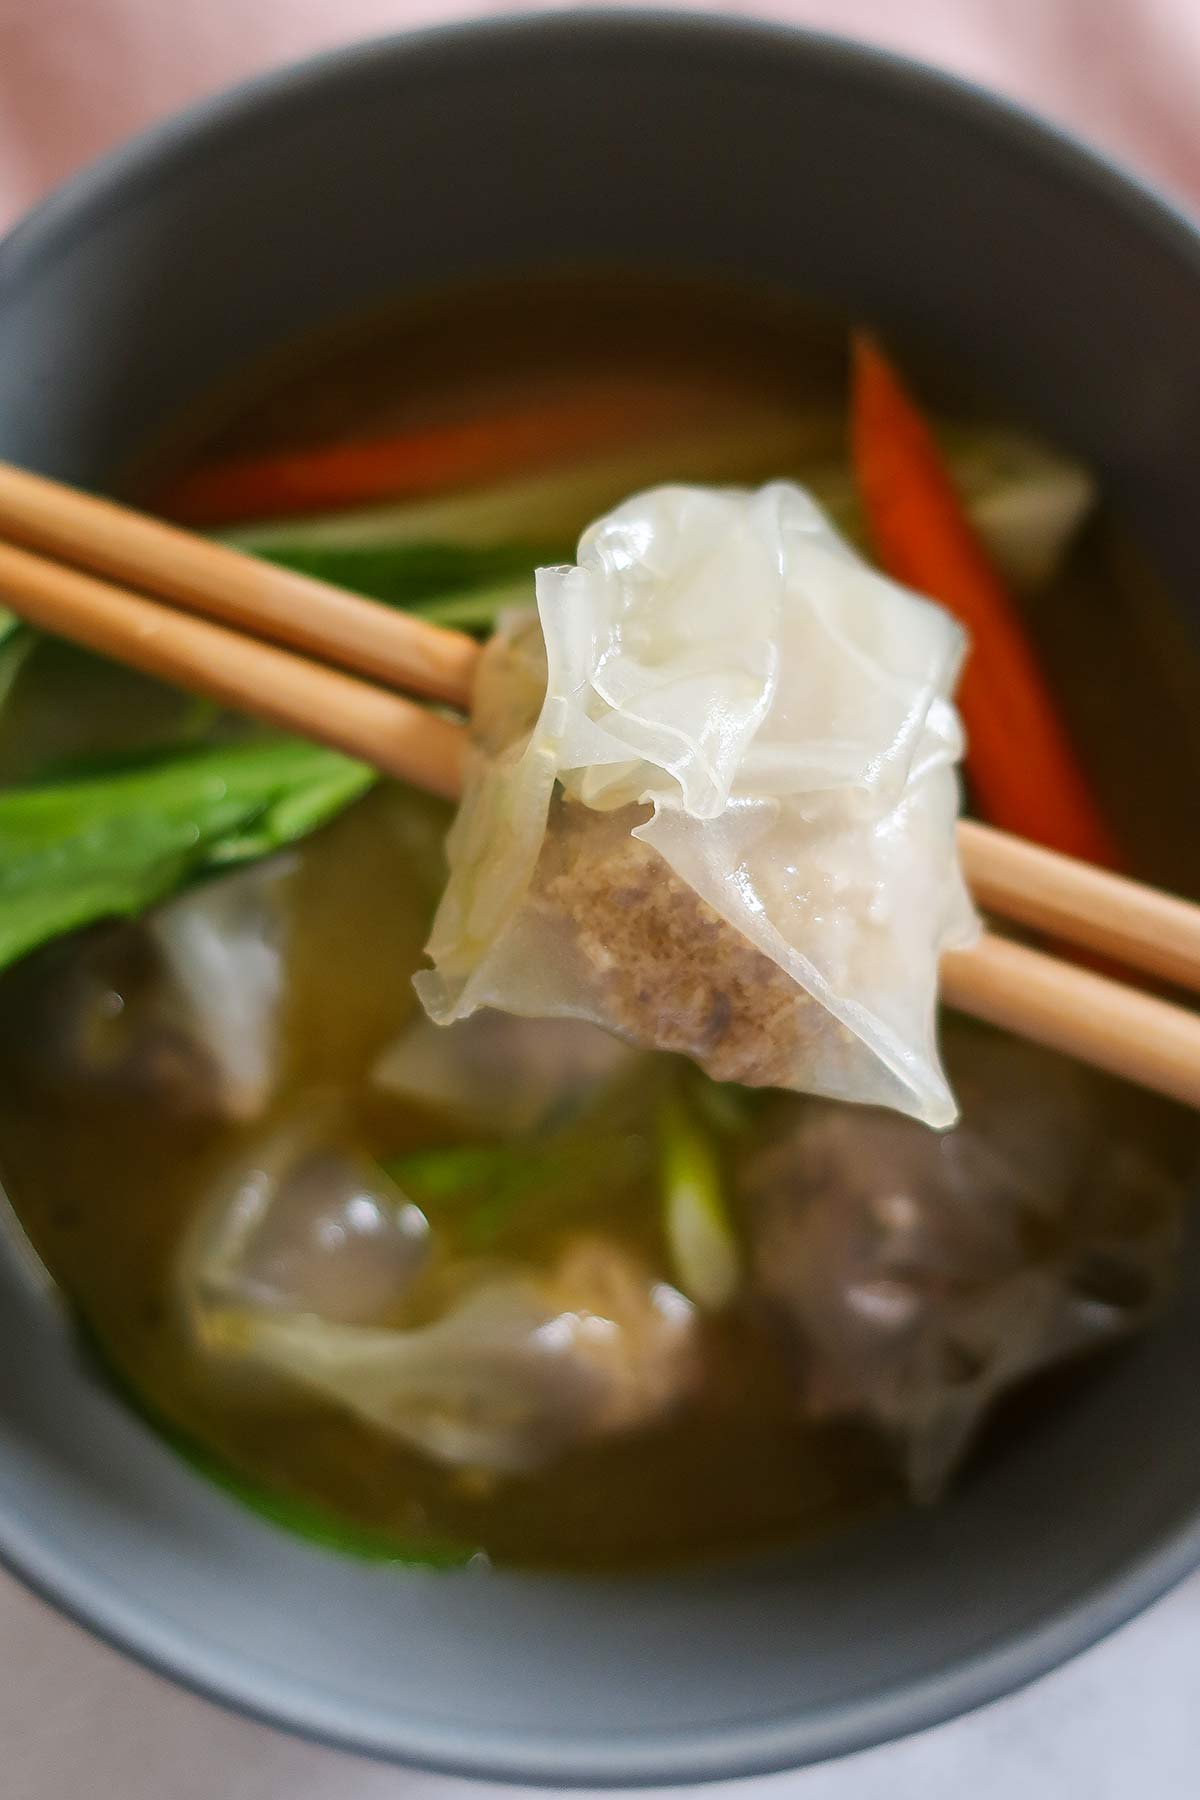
<point x="673" y="1757"/>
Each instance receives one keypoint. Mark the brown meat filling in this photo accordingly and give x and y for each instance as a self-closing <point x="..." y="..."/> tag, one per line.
<point x="666" y="969"/>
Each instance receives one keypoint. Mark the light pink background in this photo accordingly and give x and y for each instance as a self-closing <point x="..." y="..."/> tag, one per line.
<point x="76" y="75"/>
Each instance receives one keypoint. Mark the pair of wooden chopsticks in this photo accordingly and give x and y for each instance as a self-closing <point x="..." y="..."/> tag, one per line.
<point x="326" y="664"/>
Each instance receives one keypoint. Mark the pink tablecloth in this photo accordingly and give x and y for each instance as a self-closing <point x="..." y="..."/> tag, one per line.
<point x="77" y="75"/>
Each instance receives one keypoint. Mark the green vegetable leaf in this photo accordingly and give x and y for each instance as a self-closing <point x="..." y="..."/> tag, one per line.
<point x="442" y="1174"/>
<point x="466" y="586"/>
<point x="410" y="575"/>
<point x="314" y="1523"/>
<point x="486" y="1184"/>
<point x="483" y="1188"/>
<point x="479" y="611"/>
<point x="74" y="850"/>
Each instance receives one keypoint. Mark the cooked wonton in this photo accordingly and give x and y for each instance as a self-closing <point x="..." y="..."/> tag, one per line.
<point x="917" y="1278"/>
<point x="313" y="1269"/>
<point x="496" y="1073"/>
<point x="180" y="1009"/>
<point x="713" y="804"/>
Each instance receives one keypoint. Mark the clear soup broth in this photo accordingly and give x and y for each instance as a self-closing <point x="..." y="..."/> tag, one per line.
<point x="771" y="1415"/>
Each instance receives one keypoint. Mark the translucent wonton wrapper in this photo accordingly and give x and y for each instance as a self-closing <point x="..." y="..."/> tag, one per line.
<point x="729" y="829"/>
<point x="310" y="1267"/>
<point x="497" y="1073"/>
<point x="919" y="1277"/>
<point x="181" y="1008"/>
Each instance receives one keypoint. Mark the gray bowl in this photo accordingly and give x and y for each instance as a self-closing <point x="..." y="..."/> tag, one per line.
<point x="696" y="144"/>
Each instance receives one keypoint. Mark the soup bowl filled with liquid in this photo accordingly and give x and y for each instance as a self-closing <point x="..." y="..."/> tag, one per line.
<point x="514" y="1395"/>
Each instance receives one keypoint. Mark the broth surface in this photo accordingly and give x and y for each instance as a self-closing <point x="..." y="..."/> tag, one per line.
<point x="106" y="1186"/>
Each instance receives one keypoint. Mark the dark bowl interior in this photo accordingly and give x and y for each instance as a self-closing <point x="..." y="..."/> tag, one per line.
<point x="691" y="145"/>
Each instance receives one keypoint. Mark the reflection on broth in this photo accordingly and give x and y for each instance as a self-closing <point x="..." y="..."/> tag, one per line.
<point x="515" y="1284"/>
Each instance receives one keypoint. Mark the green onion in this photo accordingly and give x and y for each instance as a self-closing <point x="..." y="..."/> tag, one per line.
<point x="16" y="643"/>
<point x="696" y="1222"/>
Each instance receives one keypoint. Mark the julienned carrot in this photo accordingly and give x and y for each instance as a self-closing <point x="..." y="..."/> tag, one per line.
<point x="1023" y="771"/>
<point x="425" y="460"/>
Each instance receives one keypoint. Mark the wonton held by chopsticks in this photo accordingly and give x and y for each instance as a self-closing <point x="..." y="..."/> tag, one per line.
<point x="712" y="804"/>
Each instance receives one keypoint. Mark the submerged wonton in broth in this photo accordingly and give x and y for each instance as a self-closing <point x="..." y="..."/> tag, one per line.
<point x="730" y="829"/>
<point x="182" y="1009"/>
<point x="918" y="1278"/>
<point x="317" y="1270"/>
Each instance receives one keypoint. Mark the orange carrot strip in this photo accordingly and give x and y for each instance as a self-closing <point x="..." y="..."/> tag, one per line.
<point x="422" y="461"/>
<point x="1022" y="768"/>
